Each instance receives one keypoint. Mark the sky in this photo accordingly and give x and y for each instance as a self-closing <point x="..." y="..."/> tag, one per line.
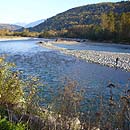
<point x="25" y="11"/>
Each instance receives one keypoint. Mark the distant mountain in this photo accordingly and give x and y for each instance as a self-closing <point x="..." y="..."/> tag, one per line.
<point x="20" y="24"/>
<point x="35" y="23"/>
<point x="83" y="15"/>
<point x="11" y="27"/>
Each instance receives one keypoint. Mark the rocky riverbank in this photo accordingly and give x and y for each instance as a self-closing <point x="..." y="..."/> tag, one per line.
<point x="111" y="59"/>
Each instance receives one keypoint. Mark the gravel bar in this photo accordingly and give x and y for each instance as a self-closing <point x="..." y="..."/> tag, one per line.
<point x="111" y="59"/>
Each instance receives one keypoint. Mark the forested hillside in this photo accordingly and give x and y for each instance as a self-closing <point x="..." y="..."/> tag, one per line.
<point x="84" y="15"/>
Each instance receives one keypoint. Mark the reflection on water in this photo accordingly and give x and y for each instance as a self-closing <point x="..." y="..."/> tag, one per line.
<point x="51" y="67"/>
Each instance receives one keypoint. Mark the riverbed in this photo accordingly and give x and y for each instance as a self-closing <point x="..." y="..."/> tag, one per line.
<point x="53" y="67"/>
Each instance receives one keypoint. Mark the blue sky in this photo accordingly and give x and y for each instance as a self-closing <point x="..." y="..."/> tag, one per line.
<point x="13" y="11"/>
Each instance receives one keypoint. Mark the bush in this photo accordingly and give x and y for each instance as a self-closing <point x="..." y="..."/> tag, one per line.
<point x="11" y="92"/>
<point x="17" y="98"/>
<point x="7" y="125"/>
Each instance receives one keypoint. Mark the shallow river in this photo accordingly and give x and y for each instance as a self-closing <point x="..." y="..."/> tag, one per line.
<point x="53" y="67"/>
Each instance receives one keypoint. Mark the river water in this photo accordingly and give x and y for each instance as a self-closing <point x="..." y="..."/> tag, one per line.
<point x="52" y="67"/>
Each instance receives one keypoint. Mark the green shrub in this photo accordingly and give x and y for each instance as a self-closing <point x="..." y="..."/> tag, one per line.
<point x="7" y="125"/>
<point x="11" y="92"/>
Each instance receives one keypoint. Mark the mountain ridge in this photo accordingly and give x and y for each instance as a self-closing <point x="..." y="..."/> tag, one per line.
<point x="11" y="27"/>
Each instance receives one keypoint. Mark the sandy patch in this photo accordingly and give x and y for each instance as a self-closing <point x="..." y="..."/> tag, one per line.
<point x="13" y="38"/>
<point x="65" y="42"/>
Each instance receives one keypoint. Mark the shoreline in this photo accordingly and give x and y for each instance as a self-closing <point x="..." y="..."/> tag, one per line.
<point x="85" y="41"/>
<point x="13" y="38"/>
<point x="98" y="57"/>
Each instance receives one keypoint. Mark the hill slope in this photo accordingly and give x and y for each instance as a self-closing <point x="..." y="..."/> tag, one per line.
<point x="9" y="27"/>
<point x="84" y="15"/>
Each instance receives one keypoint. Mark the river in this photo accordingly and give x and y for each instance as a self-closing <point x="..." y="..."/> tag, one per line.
<point x="52" y="67"/>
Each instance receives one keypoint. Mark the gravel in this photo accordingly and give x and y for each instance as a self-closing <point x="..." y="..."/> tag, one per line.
<point x="111" y="59"/>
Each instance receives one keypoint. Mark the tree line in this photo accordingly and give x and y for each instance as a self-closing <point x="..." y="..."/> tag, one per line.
<point x="113" y="27"/>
